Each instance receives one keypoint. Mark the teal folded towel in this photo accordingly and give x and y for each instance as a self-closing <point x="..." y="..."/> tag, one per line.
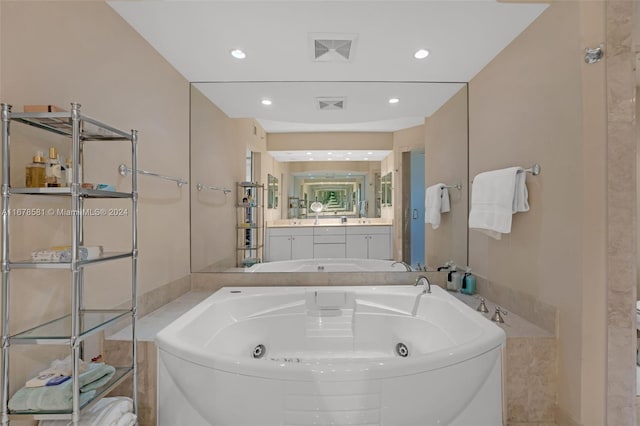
<point x="60" y="397"/>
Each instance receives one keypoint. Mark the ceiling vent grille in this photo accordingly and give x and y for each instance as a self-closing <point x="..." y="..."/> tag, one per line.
<point x="333" y="103"/>
<point x="332" y="47"/>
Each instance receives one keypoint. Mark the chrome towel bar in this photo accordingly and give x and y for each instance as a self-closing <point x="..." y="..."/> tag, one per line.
<point x="200" y="187"/>
<point x="124" y="170"/>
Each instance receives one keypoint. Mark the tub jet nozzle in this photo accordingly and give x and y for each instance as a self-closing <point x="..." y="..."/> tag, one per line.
<point x="402" y="350"/>
<point x="259" y="351"/>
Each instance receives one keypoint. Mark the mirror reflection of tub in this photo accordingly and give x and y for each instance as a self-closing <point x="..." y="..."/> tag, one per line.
<point x="329" y="265"/>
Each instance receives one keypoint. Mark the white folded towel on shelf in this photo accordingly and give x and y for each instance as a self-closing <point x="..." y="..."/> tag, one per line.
<point x="495" y="197"/>
<point x="112" y="411"/>
<point x="436" y="201"/>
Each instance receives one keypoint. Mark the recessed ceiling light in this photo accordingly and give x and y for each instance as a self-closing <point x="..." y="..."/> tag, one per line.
<point x="348" y="153"/>
<point x="366" y="158"/>
<point x="310" y="159"/>
<point x="329" y="153"/>
<point x="238" y="54"/>
<point x="394" y="100"/>
<point x="347" y="159"/>
<point x="308" y="153"/>
<point x="369" y="153"/>
<point x="266" y="102"/>
<point x="421" y="54"/>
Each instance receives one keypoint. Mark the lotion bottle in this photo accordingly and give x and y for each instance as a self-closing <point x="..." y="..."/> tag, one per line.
<point x="53" y="170"/>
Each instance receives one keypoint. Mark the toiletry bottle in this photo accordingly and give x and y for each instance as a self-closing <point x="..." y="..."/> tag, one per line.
<point x="69" y="173"/>
<point x="53" y="170"/>
<point x="35" y="172"/>
<point x="456" y="277"/>
<point x="451" y="278"/>
<point x="470" y="283"/>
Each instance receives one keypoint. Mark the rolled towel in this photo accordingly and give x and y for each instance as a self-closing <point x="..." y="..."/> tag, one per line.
<point x="113" y="411"/>
<point x="60" y="397"/>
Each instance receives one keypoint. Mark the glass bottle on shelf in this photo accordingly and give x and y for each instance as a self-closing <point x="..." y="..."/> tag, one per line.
<point x="35" y="176"/>
<point x="53" y="169"/>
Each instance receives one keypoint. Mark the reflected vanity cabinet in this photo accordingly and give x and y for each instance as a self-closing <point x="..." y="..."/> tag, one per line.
<point x="308" y="242"/>
<point x="81" y="323"/>
<point x="289" y="243"/>
<point x="369" y="242"/>
<point x="249" y="223"/>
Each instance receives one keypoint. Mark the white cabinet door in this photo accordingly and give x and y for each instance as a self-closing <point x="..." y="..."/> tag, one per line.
<point x="302" y="247"/>
<point x="279" y="248"/>
<point x="379" y="246"/>
<point x="333" y="251"/>
<point x="357" y="246"/>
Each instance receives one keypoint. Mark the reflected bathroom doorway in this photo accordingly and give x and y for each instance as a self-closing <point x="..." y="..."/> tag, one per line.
<point x="413" y="173"/>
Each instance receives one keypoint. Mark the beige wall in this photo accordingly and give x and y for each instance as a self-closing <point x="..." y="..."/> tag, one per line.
<point x="219" y="146"/>
<point x="59" y="52"/>
<point x="446" y="162"/>
<point x="527" y="106"/>
<point x="218" y="161"/>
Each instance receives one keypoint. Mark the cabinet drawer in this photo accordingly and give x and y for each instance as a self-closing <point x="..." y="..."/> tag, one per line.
<point x="329" y="251"/>
<point x="290" y="231"/>
<point x="329" y="239"/>
<point x="329" y="230"/>
<point x="369" y="230"/>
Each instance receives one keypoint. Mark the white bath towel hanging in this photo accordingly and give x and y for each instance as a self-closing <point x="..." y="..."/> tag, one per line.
<point x="495" y="197"/>
<point x="436" y="201"/>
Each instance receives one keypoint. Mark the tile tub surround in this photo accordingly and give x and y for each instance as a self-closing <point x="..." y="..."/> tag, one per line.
<point x="530" y="360"/>
<point x="539" y="313"/>
<point x="213" y="282"/>
<point x="530" y="368"/>
<point x="117" y="349"/>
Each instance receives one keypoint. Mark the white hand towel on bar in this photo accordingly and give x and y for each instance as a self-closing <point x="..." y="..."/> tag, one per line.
<point x="495" y="197"/>
<point x="436" y="201"/>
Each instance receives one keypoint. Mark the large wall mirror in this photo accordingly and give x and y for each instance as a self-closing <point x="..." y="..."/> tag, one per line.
<point x="354" y="155"/>
<point x="272" y="192"/>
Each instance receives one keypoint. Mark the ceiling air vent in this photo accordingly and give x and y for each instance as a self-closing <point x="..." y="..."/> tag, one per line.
<point x="332" y="47"/>
<point x="332" y="103"/>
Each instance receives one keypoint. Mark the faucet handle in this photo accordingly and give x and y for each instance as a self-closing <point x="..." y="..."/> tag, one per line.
<point x="497" y="316"/>
<point x="482" y="307"/>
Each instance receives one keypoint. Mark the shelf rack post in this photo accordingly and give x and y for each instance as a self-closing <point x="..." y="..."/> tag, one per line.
<point x="6" y="116"/>
<point x="76" y="227"/>
<point x="134" y="265"/>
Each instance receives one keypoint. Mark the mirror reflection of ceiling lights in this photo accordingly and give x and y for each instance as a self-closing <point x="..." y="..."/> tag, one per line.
<point x="333" y="155"/>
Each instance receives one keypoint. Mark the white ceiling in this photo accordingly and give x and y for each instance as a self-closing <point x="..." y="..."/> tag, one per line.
<point x="197" y="36"/>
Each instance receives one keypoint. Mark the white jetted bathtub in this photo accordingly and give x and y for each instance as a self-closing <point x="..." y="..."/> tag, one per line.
<point x="293" y="356"/>
<point x="328" y="265"/>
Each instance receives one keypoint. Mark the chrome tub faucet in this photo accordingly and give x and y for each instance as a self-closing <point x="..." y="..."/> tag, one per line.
<point x="427" y="284"/>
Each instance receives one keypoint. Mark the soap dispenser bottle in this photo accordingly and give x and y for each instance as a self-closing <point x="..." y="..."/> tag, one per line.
<point x="469" y="283"/>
